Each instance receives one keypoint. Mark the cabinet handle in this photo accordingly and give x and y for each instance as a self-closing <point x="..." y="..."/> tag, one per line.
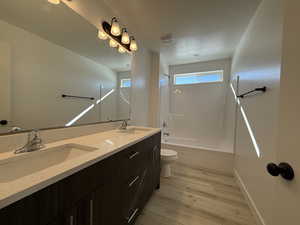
<point x="91" y="212"/>
<point x="134" y="180"/>
<point x="134" y="155"/>
<point x="132" y="216"/>
<point x="71" y="220"/>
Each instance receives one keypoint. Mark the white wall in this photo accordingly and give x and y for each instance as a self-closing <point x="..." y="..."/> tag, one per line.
<point x="198" y="111"/>
<point x="258" y="61"/>
<point x="42" y="71"/>
<point x="154" y="95"/>
<point x="141" y="72"/>
<point x="5" y="82"/>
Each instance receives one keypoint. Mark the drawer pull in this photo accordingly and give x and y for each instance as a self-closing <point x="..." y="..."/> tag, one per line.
<point x="91" y="211"/>
<point x="71" y="220"/>
<point x="132" y="216"/>
<point x="135" y="180"/>
<point x="134" y="155"/>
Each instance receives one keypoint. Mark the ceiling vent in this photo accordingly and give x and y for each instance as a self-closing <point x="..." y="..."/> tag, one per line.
<point x="167" y="38"/>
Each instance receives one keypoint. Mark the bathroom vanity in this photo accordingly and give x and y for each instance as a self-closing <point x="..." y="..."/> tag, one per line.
<point x="107" y="185"/>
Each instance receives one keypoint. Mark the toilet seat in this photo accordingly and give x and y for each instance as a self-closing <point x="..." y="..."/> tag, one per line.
<point x="168" y="154"/>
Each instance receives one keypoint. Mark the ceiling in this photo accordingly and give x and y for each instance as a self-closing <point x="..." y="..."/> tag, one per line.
<point x="62" y="26"/>
<point x="201" y="29"/>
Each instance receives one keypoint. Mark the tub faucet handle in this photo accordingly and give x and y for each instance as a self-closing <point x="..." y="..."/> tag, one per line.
<point x="166" y="134"/>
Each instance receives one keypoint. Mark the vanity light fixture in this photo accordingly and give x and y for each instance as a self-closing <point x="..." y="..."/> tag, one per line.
<point x="117" y="37"/>
<point x="133" y="44"/>
<point x="125" y="37"/>
<point x="102" y="35"/>
<point x="115" y="27"/>
<point x="113" y="43"/>
<point x="54" y="2"/>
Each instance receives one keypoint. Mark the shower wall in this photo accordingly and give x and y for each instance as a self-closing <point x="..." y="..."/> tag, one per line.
<point x="197" y="112"/>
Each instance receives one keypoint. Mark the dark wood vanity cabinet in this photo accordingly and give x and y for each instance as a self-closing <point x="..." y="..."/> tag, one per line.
<point x="111" y="192"/>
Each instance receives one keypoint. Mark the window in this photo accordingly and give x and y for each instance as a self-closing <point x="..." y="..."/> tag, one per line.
<point x="198" y="78"/>
<point x="125" y="83"/>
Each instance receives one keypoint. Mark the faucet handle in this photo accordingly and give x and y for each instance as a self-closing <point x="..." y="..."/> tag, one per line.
<point x="29" y="136"/>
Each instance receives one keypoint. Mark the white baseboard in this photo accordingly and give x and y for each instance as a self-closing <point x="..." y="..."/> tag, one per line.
<point x="258" y="217"/>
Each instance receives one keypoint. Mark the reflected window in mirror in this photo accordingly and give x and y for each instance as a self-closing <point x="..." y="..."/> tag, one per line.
<point x="125" y="83"/>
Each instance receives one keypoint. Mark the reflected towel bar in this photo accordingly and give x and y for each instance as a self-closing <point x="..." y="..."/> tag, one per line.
<point x="262" y="89"/>
<point x="73" y="96"/>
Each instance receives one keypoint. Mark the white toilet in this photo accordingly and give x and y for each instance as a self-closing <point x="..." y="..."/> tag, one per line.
<point x="167" y="158"/>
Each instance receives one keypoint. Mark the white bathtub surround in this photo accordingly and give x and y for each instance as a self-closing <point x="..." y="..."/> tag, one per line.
<point x="192" y="143"/>
<point x="168" y="157"/>
<point x="99" y="146"/>
<point x="220" y="162"/>
<point x="197" y="112"/>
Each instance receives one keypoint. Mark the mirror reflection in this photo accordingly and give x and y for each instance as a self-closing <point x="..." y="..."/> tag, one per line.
<point x="55" y="71"/>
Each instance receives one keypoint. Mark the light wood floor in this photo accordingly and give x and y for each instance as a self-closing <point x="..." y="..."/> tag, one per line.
<point x="197" y="197"/>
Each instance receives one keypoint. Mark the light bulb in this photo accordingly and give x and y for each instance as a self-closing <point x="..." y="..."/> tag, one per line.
<point x="133" y="45"/>
<point x="102" y="35"/>
<point x="113" y="43"/>
<point x="115" y="27"/>
<point x="121" y="49"/>
<point x="55" y="2"/>
<point x="125" y="37"/>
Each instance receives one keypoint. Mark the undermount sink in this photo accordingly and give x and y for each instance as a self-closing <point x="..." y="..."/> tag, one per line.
<point x="29" y="163"/>
<point x="135" y="130"/>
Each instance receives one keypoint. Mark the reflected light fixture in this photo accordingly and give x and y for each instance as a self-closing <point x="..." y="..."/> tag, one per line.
<point x="55" y="2"/>
<point x="102" y="35"/>
<point x="133" y="44"/>
<point x="115" y="27"/>
<point x="113" y="43"/>
<point x="121" y="49"/>
<point x="125" y="37"/>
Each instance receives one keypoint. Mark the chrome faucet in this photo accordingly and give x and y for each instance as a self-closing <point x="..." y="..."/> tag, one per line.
<point x="34" y="143"/>
<point x="124" y="125"/>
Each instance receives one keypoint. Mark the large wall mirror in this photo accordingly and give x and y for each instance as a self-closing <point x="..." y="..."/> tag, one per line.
<point x="49" y="53"/>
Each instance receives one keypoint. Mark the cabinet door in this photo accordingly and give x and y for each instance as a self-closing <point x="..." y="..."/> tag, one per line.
<point x="106" y="205"/>
<point x="39" y="209"/>
<point x="156" y="164"/>
<point x="82" y="183"/>
<point x="81" y="213"/>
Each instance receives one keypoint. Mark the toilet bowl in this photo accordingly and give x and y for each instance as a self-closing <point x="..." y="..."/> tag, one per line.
<point x="167" y="158"/>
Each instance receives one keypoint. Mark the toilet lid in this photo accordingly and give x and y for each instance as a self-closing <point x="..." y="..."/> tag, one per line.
<point x="168" y="153"/>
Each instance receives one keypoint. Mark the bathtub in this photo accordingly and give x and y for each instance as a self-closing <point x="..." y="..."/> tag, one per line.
<point x="188" y="143"/>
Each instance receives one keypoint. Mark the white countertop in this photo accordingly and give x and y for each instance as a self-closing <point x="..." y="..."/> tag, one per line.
<point x="107" y="144"/>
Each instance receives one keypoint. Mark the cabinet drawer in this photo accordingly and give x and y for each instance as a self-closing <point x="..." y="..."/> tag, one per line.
<point x="133" y="159"/>
<point x="133" y="192"/>
<point x="133" y="196"/>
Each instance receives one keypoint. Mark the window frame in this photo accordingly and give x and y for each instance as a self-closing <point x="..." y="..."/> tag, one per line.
<point x="124" y="79"/>
<point x="203" y="73"/>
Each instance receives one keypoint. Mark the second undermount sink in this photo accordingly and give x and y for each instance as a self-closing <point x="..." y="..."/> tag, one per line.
<point x="33" y="162"/>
